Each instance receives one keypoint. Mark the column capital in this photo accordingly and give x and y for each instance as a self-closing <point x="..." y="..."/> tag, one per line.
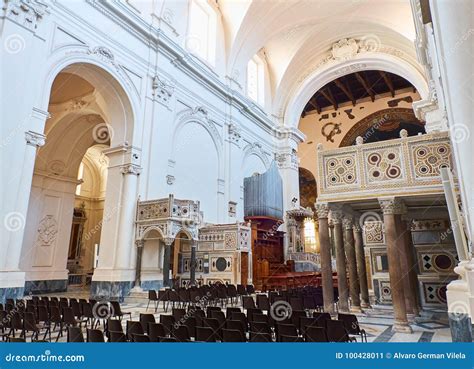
<point x="140" y="243"/>
<point x="347" y="222"/>
<point x="322" y="210"/>
<point x="35" y="139"/>
<point x="336" y="216"/>
<point x="356" y="226"/>
<point x="168" y="241"/>
<point x="392" y="205"/>
<point x="131" y="169"/>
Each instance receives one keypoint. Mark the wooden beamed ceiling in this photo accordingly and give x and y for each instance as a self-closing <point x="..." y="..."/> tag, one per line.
<point x="354" y="87"/>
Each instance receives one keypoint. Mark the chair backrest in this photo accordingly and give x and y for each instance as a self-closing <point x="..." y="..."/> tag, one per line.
<point x="29" y="322"/>
<point x="296" y="315"/>
<point x="235" y="325"/>
<point x="232" y="335"/>
<point x="248" y="302"/>
<point x="117" y="337"/>
<point x="322" y="317"/>
<point x="210" y="309"/>
<point x="16" y="322"/>
<point x="250" y="289"/>
<point x="74" y="334"/>
<point x="285" y="330"/>
<point x="315" y="334"/>
<point x="16" y="339"/>
<point x="133" y="327"/>
<point x="251" y="312"/>
<point x="68" y="317"/>
<point x="140" y="337"/>
<point x="261" y="318"/>
<point x="156" y="330"/>
<point x="263" y="302"/>
<point x="220" y="316"/>
<point x="336" y="331"/>
<point x="168" y="322"/>
<point x="285" y="338"/>
<point x="351" y="323"/>
<point x="181" y="333"/>
<point x="190" y="322"/>
<point x="230" y="310"/>
<point x="260" y="337"/>
<point x="296" y="303"/>
<point x="241" y="289"/>
<point x="241" y="317"/>
<point x="205" y="334"/>
<point x="152" y="295"/>
<point x="114" y="325"/>
<point x="178" y="314"/>
<point x="260" y="327"/>
<point x="95" y="335"/>
<point x="116" y="308"/>
<point x="145" y="319"/>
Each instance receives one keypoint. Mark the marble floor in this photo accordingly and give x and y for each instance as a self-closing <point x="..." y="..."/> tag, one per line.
<point x="430" y="326"/>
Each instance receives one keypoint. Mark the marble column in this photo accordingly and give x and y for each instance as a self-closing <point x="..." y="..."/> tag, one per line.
<point x="192" y="270"/>
<point x="361" y="267"/>
<point x="391" y="207"/>
<point x="138" y="266"/>
<point x="166" y="261"/>
<point x="412" y="295"/>
<point x="349" y="247"/>
<point x="325" y="252"/>
<point x="343" y="303"/>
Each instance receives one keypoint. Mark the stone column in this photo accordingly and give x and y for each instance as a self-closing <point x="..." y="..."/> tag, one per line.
<point x="192" y="270"/>
<point x="361" y="268"/>
<point x="352" y="264"/>
<point x="391" y="207"/>
<point x="167" y="260"/>
<point x="325" y="253"/>
<point x="343" y="304"/>
<point x="138" y="267"/>
<point x="412" y="296"/>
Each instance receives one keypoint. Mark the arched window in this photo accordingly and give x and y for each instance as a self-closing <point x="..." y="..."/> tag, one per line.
<point x="201" y="39"/>
<point x="256" y="80"/>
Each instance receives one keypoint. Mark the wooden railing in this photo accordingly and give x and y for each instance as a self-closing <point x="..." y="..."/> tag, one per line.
<point x="407" y="166"/>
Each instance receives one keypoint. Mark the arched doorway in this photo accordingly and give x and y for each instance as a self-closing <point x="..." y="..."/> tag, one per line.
<point x="68" y="206"/>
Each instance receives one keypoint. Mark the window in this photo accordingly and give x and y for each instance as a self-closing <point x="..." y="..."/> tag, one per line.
<point x="310" y="242"/>
<point x="255" y="80"/>
<point x="201" y="39"/>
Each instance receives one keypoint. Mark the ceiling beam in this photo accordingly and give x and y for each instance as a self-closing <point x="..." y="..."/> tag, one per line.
<point x="314" y="104"/>
<point x="346" y="89"/>
<point x="388" y="81"/>
<point x="329" y="97"/>
<point x="364" y="84"/>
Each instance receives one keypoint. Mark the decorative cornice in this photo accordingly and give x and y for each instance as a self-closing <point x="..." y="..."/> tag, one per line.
<point x="28" y="13"/>
<point x="35" y="139"/>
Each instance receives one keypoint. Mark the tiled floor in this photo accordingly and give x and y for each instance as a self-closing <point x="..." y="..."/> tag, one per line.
<point x="431" y="326"/>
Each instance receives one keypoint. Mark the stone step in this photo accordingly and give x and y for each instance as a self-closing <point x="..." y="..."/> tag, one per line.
<point x="137" y="297"/>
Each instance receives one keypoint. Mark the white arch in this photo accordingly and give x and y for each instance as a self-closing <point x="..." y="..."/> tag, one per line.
<point x="327" y="73"/>
<point x="253" y="149"/>
<point x="99" y="71"/>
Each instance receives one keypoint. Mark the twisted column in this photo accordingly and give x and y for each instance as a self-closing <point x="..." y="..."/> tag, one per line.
<point x="322" y="211"/>
<point x="343" y="304"/>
